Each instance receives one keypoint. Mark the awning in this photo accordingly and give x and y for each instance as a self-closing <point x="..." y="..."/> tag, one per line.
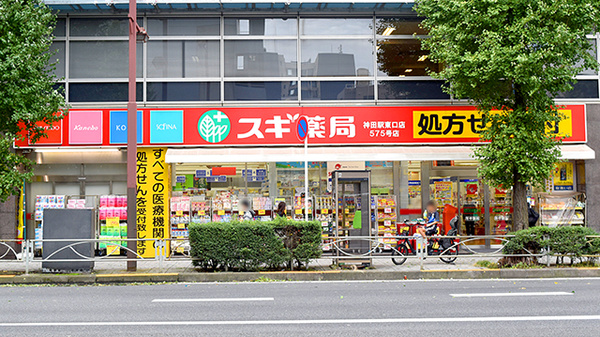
<point x="345" y="153"/>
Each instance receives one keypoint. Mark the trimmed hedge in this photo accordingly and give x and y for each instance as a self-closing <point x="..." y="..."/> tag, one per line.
<point x="254" y="245"/>
<point x="567" y="240"/>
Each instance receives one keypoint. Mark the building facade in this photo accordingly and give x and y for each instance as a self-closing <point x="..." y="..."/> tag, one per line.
<point x="220" y="86"/>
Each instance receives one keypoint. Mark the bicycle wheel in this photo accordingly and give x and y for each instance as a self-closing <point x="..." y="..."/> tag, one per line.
<point x="450" y="255"/>
<point x="400" y="251"/>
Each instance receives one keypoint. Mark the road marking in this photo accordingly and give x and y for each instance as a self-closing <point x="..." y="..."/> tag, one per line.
<point x="549" y="293"/>
<point x="243" y="299"/>
<point x="317" y="321"/>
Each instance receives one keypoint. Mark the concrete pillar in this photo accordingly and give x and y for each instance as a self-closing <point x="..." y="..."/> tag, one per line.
<point x="592" y="167"/>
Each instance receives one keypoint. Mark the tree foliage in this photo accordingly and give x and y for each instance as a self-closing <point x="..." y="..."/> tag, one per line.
<point x="512" y="57"/>
<point x="27" y="92"/>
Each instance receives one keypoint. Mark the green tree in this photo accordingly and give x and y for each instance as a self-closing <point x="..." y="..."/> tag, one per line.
<point x="27" y="86"/>
<point x="513" y="57"/>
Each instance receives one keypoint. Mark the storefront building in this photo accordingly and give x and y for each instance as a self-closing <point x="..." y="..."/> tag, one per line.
<point x="220" y="89"/>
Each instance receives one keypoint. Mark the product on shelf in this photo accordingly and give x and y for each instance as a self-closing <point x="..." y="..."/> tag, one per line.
<point x="112" y="216"/>
<point x="200" y="210"/>
<point x="299" y="207"/>
<point x="43" y="202"/>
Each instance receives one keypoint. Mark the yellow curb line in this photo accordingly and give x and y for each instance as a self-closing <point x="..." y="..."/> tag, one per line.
<point x="7" y="276"/>
<point x="301" y="272"/>
<point x="134" y="275"/>
<point x="447" y="270"/>
<point x="587" y="268"/>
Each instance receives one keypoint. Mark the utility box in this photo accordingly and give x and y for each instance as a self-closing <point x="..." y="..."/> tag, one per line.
<point x="72" y="225"/>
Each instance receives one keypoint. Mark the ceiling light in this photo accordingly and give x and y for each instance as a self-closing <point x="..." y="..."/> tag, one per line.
<point x="408" y="71"/>
<point x="388" y="31"/>
<point x="423" y="58"/>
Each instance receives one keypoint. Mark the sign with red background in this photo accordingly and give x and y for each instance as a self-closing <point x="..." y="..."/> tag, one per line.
<point x="263" y="126"/>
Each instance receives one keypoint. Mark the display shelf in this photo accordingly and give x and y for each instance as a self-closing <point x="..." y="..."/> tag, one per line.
<point x="263" y="208"/>
<point x="299" y="210"/>
<point x="385" y="215"/>
<point x="200" y="210"/>
<point x="224" y="207"/>
<point x="325" y="214"/>
<point x="112" y="220"/>
<point x="562" y="209"/>
<point x="43" y="202"/>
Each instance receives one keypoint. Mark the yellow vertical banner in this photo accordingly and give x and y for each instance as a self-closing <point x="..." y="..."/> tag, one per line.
<point x="152" y="202"/>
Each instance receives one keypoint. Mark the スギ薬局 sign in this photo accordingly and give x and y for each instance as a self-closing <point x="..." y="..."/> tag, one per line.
<point x="326" y="125"/>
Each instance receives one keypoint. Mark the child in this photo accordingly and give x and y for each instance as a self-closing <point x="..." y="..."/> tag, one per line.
<point x="432" y="219"/>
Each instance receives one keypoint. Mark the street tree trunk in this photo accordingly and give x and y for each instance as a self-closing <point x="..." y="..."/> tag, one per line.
<point x="520" y="214"/>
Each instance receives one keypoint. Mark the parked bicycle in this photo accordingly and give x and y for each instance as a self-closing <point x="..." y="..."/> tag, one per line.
<point x="445" y="248"/>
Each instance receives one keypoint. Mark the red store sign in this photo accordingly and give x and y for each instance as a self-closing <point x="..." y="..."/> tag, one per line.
<point x="327" y="126"/>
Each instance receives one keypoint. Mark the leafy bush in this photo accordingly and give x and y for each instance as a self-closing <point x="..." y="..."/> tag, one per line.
<point x="563" y="241"/>
<point x="250" y="245"/>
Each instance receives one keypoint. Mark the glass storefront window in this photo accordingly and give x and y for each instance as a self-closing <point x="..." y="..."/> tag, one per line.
<point x="261" y="91"/>
<point x="403" y="58"/>
<point x="582" y="89"/>
<point x="260" y="58"/>
<point x="398" y="26"/>
<point x="183" y="26"/>
<point x="337" y="90"/>
<point x="57" y="49"/>
<point x="99" y="27"/>
<point x="400" y="90"/>
<point x="61" y="27"/>
<point x="101" y="59"/>
<point x="102" y="92"/>
<point x="337" y="57"/>
<point x="183" y="59"/>
<point x="336" y="26"/>
<point x="183" y="91"/>
<point x="261" y="26"/>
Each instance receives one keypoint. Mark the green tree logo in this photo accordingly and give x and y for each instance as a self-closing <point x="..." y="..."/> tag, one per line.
<point x="214" y="126"/>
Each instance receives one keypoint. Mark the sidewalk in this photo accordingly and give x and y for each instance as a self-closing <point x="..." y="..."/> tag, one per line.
<point x="320" y="270"/>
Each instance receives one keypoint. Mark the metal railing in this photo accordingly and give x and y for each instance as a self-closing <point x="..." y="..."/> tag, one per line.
<point x="340" y="250"/>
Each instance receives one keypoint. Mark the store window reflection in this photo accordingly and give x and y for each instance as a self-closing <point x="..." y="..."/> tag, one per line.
<point x="336" y="26"/>
<point x="337" y="57"/>
<point x="260" y="58"/>
<point x="337" y="90"/>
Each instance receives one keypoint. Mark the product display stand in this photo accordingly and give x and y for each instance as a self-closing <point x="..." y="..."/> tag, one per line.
<point x="43" y="202"/>
<point x="325" y="214"/>
<point x="180" y="220"/>
<point x="223" y="207"/>
<point x="385" y="215"/>
<point x="263" y="208"/>
<point x="562" y="209"/>
<point x="112" y="219"/>
<point x="200" y="209"/>
<point x="299" y="208"/>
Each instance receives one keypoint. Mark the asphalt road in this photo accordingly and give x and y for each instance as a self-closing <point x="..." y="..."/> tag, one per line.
<point x="556" y="307"/>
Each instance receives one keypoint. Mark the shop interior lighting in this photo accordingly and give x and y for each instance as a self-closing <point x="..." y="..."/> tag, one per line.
<point x="388" y="31"/>
<point x="73" y="150"/>
<point x="423" y="58"/>
<point x="409" y="70"/>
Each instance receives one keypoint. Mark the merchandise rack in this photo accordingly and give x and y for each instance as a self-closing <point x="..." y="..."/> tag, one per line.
<point x="325" y="214"/>
<point x="299" y="210"/>
<point x="562" y="209"/>
<point x="384" y="210"/>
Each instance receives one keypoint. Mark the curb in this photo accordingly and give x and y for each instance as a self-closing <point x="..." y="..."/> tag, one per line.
<point x="335" y="275"/>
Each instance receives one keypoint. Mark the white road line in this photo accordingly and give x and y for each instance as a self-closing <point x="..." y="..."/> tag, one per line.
<point x="549" y="293"/>
<point x="243" y="299"/>
<point x="317" y="321"/>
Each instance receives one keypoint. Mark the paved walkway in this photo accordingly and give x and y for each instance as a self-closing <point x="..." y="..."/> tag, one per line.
<point x="183" y="265"/>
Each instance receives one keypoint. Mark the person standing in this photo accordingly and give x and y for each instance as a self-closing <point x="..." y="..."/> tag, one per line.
<point x="280" y="212"/>
<point x="248" y="212"/>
